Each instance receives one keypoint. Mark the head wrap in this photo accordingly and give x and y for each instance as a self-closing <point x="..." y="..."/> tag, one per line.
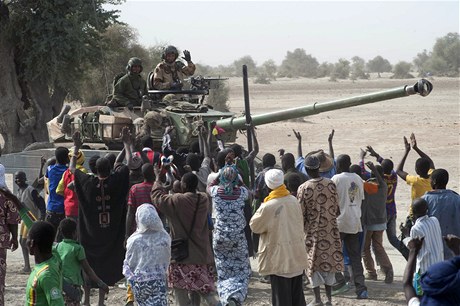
<point x="441" y="283"/>
<point x="274" y="178"/>
<point x="80" y="157"/>
<point x="228" y="178"/>
<point x="148" y="250"/>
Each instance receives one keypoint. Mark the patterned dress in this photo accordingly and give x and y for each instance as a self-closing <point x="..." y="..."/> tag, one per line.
<point x="320" y="208"/>
<point x="230" y="246"/>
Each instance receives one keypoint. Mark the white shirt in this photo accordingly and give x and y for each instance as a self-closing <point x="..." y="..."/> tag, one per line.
<point x="350" y="191"/>
<point x="415" y="301"/>
<point x="432" y="250"/>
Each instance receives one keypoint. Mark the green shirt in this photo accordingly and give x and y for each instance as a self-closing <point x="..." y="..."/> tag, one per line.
<point x="71" y="254"/>
<point x="44" y="287"/>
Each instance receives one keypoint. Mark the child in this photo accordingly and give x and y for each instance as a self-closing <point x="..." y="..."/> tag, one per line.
<point x="148" y="253"/>
<point x="424" y="166"/>
<point x="432" y="249"/>
<point x="44" y="283"/>
<point x="73" y="259"/>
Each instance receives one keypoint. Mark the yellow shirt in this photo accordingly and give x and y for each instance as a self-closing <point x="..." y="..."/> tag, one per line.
<point x="419" y="184"/>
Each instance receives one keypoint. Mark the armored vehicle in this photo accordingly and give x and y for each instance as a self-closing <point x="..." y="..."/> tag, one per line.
<point x="102" y="125"/>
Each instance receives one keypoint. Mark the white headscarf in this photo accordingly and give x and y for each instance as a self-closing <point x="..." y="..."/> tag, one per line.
<point x="148" y="249"/>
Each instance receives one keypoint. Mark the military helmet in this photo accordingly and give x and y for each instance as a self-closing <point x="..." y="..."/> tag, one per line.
<point x="133" y="61"/>
<point x="170" y="49"/>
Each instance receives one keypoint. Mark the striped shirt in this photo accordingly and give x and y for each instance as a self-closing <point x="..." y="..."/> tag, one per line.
<point x="432" y="247"/>
<point x="140" y="194"/>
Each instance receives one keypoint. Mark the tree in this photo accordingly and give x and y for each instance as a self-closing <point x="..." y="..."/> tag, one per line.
<point x="379" y="64"/>
<point x="341" y="69"/>
<point x="44" y="47"/>
<point x="299" y="64"/>
<point x="358" y="68"/>
<point x="118" y="43"/>
<point x="245" y="60"/>
<point x="445" y="58"/>
<point x="325" y="69"/>
<point x="402" y="71"/>
<point x="269" y="68"/>
<point x="421" y="61"/>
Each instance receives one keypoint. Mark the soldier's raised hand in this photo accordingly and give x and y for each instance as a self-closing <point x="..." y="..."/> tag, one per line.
<point x="187" y="57"/>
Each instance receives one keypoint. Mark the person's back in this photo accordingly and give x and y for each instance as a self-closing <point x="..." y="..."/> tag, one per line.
<point x="44" y="286"/>
<point x="283" y="238"/>
<point x="428" y="227"/>
<point x="350" y="193"/>
<point x="444" y="204"/>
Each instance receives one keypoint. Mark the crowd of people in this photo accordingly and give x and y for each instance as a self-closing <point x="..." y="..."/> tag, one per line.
<point x="190" y="219"/>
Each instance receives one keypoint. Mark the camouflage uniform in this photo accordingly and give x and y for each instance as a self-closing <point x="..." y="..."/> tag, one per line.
<point x="129" y="89"/>
<point x="165" y="74"/>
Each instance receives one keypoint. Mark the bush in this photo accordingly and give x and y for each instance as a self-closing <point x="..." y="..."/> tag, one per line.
<point x="218" y="97"/>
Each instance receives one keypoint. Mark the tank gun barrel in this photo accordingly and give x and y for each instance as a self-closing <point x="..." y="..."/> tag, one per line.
<point x="422" y="87"/>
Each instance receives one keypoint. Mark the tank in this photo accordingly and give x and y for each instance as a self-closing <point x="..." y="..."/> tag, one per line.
<point x="100" y="126"/>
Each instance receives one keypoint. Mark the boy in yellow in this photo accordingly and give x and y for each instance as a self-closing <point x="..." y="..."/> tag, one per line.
<point x="424" y="166"/>
<point x="44" y="287"/>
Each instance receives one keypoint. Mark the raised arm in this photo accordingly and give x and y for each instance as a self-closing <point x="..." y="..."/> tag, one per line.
<point x="204" y="145"/>
<point x="422" y="154"/>
<point x="252" y="155"/>
<point x="379" y="178"/>
<point x="76" y="137"/>
<point x="414" y="247"/>
<point x="364" y="173"/>
<point x="331" y="148"/>
<point x="299" y="143"/>
<point x="399" y="170"/>
<point x="126" y="137"/>
<point x="374" y="154"/>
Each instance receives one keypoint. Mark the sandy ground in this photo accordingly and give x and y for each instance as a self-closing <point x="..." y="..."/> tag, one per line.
<point x="433" y="119"/>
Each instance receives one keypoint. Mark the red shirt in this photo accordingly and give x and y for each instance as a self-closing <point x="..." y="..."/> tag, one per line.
<point x="70" y="197"/>
<point x="140" y="194"/>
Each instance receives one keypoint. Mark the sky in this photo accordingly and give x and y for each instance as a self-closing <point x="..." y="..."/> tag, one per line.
<point x="220" y="32"/>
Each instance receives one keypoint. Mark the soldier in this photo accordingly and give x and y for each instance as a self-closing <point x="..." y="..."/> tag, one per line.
<point x="129" y="89"/>
<point x="170" y="73"/>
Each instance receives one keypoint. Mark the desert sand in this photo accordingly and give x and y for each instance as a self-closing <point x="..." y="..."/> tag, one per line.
<point x="434" y="120"/>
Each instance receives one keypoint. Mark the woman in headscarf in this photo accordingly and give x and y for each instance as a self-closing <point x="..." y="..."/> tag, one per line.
<point x="187" y="214"/>
<point x="230" y="246"/>
<point x="148" y="252"/>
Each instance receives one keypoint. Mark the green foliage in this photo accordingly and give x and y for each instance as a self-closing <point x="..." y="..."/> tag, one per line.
<point x="379" y="64"/>
<point x="56" y="39"/>
<point x="298" y="64"/>
<point x="445" y="58"/>
<point x="358" y="70"/>
<point x="402" y="71"/>
<point x="118" y="44"/>
<point x="218" y="97"/>
<point x="262" y="78"/>
<point x="245" y="60"/>
<point x="325" y="69"/>
<point x="341" y="70"/>
<point x="421" y="62"/>
<point x="268" y="70"/>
